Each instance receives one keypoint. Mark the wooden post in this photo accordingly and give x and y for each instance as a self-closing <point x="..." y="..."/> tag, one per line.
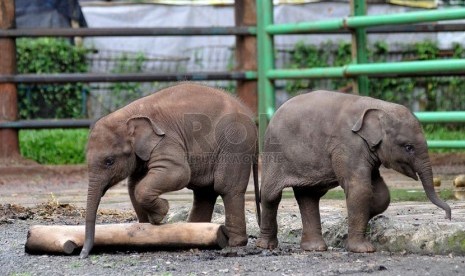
<point x="246" y="52"/>
<point x="9" y="146"/>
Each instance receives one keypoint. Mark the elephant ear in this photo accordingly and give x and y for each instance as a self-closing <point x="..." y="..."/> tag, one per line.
<point x="369" y="127"/>
<point x="144" y="135"/>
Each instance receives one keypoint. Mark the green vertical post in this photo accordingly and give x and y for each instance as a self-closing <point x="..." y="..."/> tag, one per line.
<point x="359" y="46"/>
<point x="266" y="95"/>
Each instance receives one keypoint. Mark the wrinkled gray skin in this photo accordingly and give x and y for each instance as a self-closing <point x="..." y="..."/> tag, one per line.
<point x="187" y="135"/>
<point x="323" y="139"/>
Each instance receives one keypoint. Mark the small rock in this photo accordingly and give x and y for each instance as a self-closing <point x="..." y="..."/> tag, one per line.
<point x="459" y="193"/>
<point x="229" y="252"/>
<point x="267" y="253"/>
<point x="459" y="181"/>
<point x="179" y="215"/>
<point x="219" y="209"/>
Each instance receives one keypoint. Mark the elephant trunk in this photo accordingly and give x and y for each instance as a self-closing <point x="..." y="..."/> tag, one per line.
<point x="94" y="195"/>
<point x="425" y="172"/>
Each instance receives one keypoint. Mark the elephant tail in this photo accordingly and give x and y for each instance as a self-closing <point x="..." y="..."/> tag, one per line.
<point x="256" y="184"/>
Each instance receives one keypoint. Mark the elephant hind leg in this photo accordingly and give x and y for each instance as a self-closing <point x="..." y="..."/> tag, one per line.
<point x="268" y="238"/>
<point x="230" y="182"/>
<point x="204" y="203"/>
<point x="309" y="200"/>
<point x="270" y="197"/>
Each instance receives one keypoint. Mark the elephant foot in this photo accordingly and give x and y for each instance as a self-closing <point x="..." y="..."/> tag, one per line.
<point x="157" y="216"/>
<point x="359" y="246"/>
<point x="315" y="244"/>
<point x="237" y="241"/>
<point x="267" y="243"/>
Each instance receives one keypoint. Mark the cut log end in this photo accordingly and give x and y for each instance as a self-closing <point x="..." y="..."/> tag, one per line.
<point x="69" y="247"/>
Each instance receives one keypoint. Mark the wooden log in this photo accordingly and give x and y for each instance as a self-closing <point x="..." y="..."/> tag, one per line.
<point x="69" y="239"/>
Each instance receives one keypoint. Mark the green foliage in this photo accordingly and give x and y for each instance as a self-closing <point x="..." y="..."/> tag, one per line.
<point x="397" y="195"/>
<point x="57" y="146"/>
<point x="308" y="56"/>
<point x="342" y="57"/>
<point x="444" y="132"/>
<point x="48" y="55"/>
<point x="429" y="93"/>
<point x="125" y="92"/>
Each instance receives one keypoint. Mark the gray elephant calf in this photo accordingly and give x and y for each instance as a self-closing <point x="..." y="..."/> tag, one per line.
<point x="187" y="135"/>
<point x="323" y="139"/>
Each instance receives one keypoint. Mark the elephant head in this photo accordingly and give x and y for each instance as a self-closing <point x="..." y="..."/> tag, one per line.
<point x="395" y="137"/>
<point x="115" y="147"/>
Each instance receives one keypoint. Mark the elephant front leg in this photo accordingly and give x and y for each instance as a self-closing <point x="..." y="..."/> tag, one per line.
<point x="309" y="201"/>
<point x="359" y="195"/>
<point x="268" y="238"/>
<point x="146" y="194"/>
<point x="154" y="207"/>
<point x="381" y="197"/>
<point x="140" y="212"/>
<point x="230" y="181"/>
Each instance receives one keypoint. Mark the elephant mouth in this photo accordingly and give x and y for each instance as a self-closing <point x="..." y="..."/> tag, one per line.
<point x="105" y="190"/>
<point x="405" y="169"/>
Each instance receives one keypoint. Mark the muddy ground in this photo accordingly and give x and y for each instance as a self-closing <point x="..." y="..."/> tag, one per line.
<point x="31" y="194"/>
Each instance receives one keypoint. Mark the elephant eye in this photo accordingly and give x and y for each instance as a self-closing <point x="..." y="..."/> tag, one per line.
<point x="109" y="161"/>
<point x="409" y="148"/>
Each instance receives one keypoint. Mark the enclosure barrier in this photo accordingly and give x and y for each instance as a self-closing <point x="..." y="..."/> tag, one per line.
<point x="357" y="24"/>
<point x="45" y="124"/>
<point x="264" y="31"/>
<point x="403" y="68"/>
<point x="244" y="29"/>
<point x="365" y="21"/>
<point x="126" y="77"/>
<point x="182" y="31"/>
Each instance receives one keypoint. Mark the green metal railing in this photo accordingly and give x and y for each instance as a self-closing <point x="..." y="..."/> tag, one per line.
<point x="359" y="69"/>
<point x="443" y="117"/>
<point x="358" y="21"/>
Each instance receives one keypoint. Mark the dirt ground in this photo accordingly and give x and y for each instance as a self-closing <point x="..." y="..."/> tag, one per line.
<point x="31" y="194"/>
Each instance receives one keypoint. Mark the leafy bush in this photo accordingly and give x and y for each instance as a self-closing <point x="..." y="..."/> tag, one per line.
<point x="57" y="146"/>
<point x="428" y="93"/>
<point x="48" y="55"/>
<point x="125" y="92"/>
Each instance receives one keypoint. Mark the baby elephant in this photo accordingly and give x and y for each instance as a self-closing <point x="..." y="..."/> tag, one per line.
<point x="186" y="136"/>
<point x="321" y="140"/>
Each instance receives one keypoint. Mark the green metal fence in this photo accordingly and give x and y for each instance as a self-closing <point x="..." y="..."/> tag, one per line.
<point x="360" y="70"/>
